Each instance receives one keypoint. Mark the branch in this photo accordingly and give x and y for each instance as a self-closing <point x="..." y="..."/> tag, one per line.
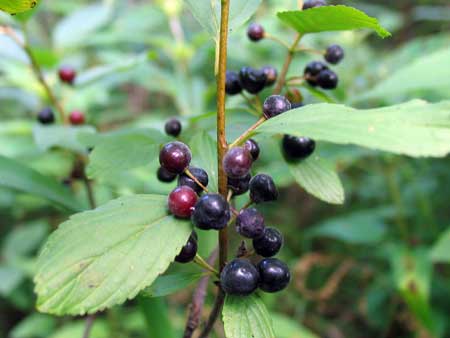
<point x="287" y="63"/>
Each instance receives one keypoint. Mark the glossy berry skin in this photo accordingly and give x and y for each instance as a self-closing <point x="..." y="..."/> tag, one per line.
<point x="173" y="127"/>
<point x="237" y="162"/>
<point x="232" y="83"/>
<point x="76" y="118"/>
<point x="252" y="146"/>
<point x="327" y="79"/>
<point x="182" y="201"/>
<point x="269" y="244"/>
<point x="297" y="148"/>
<point x="67" y="74"/>
<point x="334" y="54"/>
<point x="255" y="32"/>
<point x="199" y="174"/>
<point x="252" y="80"/>
<point x="189" y="251"/>
<point x="275" y="105"/>
<point x="212" y="211"/>
<point x="312" y="70"/>
<point x="313" y="3"/>
<point x="274" y="275"/>
<point x="175" y="157"/>
<point x="46" y="116"/>
<point x="263" y="189"/>
<point x="165" y="175"/>
<point x="239" y="277"/>
<point x="240" y="185"/>
<point x="250" y="223"/>
<point x="271" y="75"/>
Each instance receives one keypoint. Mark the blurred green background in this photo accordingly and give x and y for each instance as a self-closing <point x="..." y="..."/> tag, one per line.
<point x="378" y="266"/>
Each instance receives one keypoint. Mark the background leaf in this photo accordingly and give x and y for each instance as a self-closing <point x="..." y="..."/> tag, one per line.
<point x="167" y="284"/>
<point x="204" y="155"/>
<point x="17" y="6"/>
<point x="441" y="250"/>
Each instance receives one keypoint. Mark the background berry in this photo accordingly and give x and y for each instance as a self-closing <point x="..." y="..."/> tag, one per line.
<point x="255" y="32"/>
<point x="269" y="244"/>
<point x="173" y="127"/>
<point x="46" y="116"/>
<point x="274" y="275"/>
<point x="189" y="251"/>
<point x="252" y="80"/>
<point x="239" y="185"/>
<point x="250" y="223"/>
<point x="200" y="174"/>
<point x="233" y="83"/>
<point x="275" y="105"/>
<point x="313" y="3"/>
<point x="239" y="277"/>
<point x="211" y="212"/>
<point x="263" y="189"/>
<point x="175" y="157"/>
<point x="165" y="175"/>
<point x="67" y="74"/>
<point x="327" y="79"/>
<point x="237" y="162"/>
<point x="182" y="201"/>
<point x="334" y="54"/>
<point x="271" y="75"/>
<point x="253" y="147"/>
<point x="297" y="148"/>
<point x="76" y="118"/>
<point x="312" y="70"/>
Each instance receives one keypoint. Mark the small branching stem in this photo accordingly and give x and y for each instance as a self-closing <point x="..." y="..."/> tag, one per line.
<point x="241" y="139"/>
<point x="204" y="264"/>
<point x="187" y="172"/>
<point x="282" y="79"/>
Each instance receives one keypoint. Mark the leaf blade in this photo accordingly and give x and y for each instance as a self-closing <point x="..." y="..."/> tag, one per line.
<point x="17" y="6"/>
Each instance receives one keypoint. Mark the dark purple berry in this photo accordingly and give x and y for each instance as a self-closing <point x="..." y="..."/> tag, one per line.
<point x="271" y="75"/>
<point x="212" y="211"/>
<point x="274" y="275"/>
<point x="67" y="74"/>
<point x="334" y="54"/>
<point x="297" y="148"/>
<point x="313" y="3"/>
<point x="255" y="32"/>
<point x="175" y="157"/>
<point x="327" y="79"/>
<point x="239" y="277"/>
<point x="253" y="147"/>
<point x="189" y="251"/>
<point x="237" y="162"/>
<point x="263" y="189"/>
<point x="199" y="174"/>
<point x="239" y="185"/>
<point x="233" y="83"/>
<point x="252" y="80"/>
<point x="312" y="70"/>
<point x="269" y="244"/>
<point x="182" y="201"/>
<point x="46" y="116"/>
<point x="275" y="105"/>
<point x="165" y="175"/>
<point x="173" y="127"/>
<point x="250" y="223"/>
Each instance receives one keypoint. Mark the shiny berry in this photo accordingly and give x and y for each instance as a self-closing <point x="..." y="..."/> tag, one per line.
<point x="67" y="74"/>
<point x="263" y="189"/>
<point x="175" y="157"/>
<point x="199" y="174"/>
<point x="250" y="223"/>
<point x="275" y="105"/>
<point x="237" y="162"/>
<point x="253" y="147"/>
<point x="76" y="118"/>
<point x="165" y="175"/>
<point x="271" y="75"/>
<point x="239" y="185"/>
<point x="233" y="83"/>
<point x="274" y="275"/>
<point x="182" y="201"/>
<point x="239" y="277"/>
<point x="312" y="70"/>
<point x="297" y="148"/>
<point x="189" y="251"/>
<point x="173" y="127"/>
<point x="212" y="211"/>
<point x="46" y="116"/>
<point x="334" y="54"/>
<point x="313" y="3"/>
<point x="252" y="80"/>
<point x="327" y="79"/>
<point x="269" y="244"/>
<point x="255" y="32"/>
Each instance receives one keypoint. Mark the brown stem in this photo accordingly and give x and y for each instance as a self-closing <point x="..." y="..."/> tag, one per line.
<point x="287" y="63"/>
<point x="88" y="327"/>
<point x="188" y="172"/>
<point x="214" y="314"/>
<point x="241" y="139"/>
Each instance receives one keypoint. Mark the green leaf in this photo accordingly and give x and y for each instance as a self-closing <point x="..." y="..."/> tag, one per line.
<point x="415" y="128"/>
<point x="286" y="327"/>
<point x="245" y="317"/>
<point x="168" y="284"/>
<point x="17" y="176"/>
<point x="204" y="155"/>
<point x="103" y="257"/>
<point x="319" y="94"/>
<point x="33" y="326"/>
<point x="47" y="137"/>
<point x="24" y="240"/>
<point x="17" y="6"/>
<point x="331" y="18"/>
<point x="319" y="178"/>
<point x="440" y="252"/>
<point x="11" y="278"/>
<point x="157" y="317"/>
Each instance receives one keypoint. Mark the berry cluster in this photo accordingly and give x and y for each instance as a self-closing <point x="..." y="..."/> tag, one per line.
<point x="250" y="79"/>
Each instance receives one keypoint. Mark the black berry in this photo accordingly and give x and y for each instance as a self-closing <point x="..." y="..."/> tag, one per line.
<point x="239" y="277"/>
<point x="269" y="244"/>
<point x="237" y="162"/>
<point x="252" y="80"/>
<point x="327" y="79"/>
<point x="232" y="84"/>
<point x="250" y="223"/>
<point x="67" y="74"/>
<point x="274" y="275"/>
<point x="189" y="251"/>
<point x="255" y="32"/>
<point x="275" y="105"/>
<point x="312" y="70"/>
<point x="211" y="212"/>
<point x="313" y="3"/>
<point x="182" y="201"/>
<point x="239" y="185"/>
<point x="46" y="116"/>
<point x="175" y="157"/>
<point x="253" y="147"/>
<point x="199" y="174"/>
<point x="334" y="54"/>
<point x="271" y="75"/>
<point x="296" y="105"/>
<point x="173" y="127"/>
<point x="263" y="189"/>
<point x="297" y="148"/>
<point x="165" y="175"/>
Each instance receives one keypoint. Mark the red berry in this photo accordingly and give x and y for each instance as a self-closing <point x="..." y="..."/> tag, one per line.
<point x="76" y="118"/>
<point x="67" y="74"/>
<point x="182" y="201"/>
<point x="255" y="32"/>
<point x="175" y="157"/>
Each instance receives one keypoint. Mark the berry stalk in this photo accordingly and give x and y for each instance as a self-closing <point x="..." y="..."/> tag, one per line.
<point x="287" y="63"/>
